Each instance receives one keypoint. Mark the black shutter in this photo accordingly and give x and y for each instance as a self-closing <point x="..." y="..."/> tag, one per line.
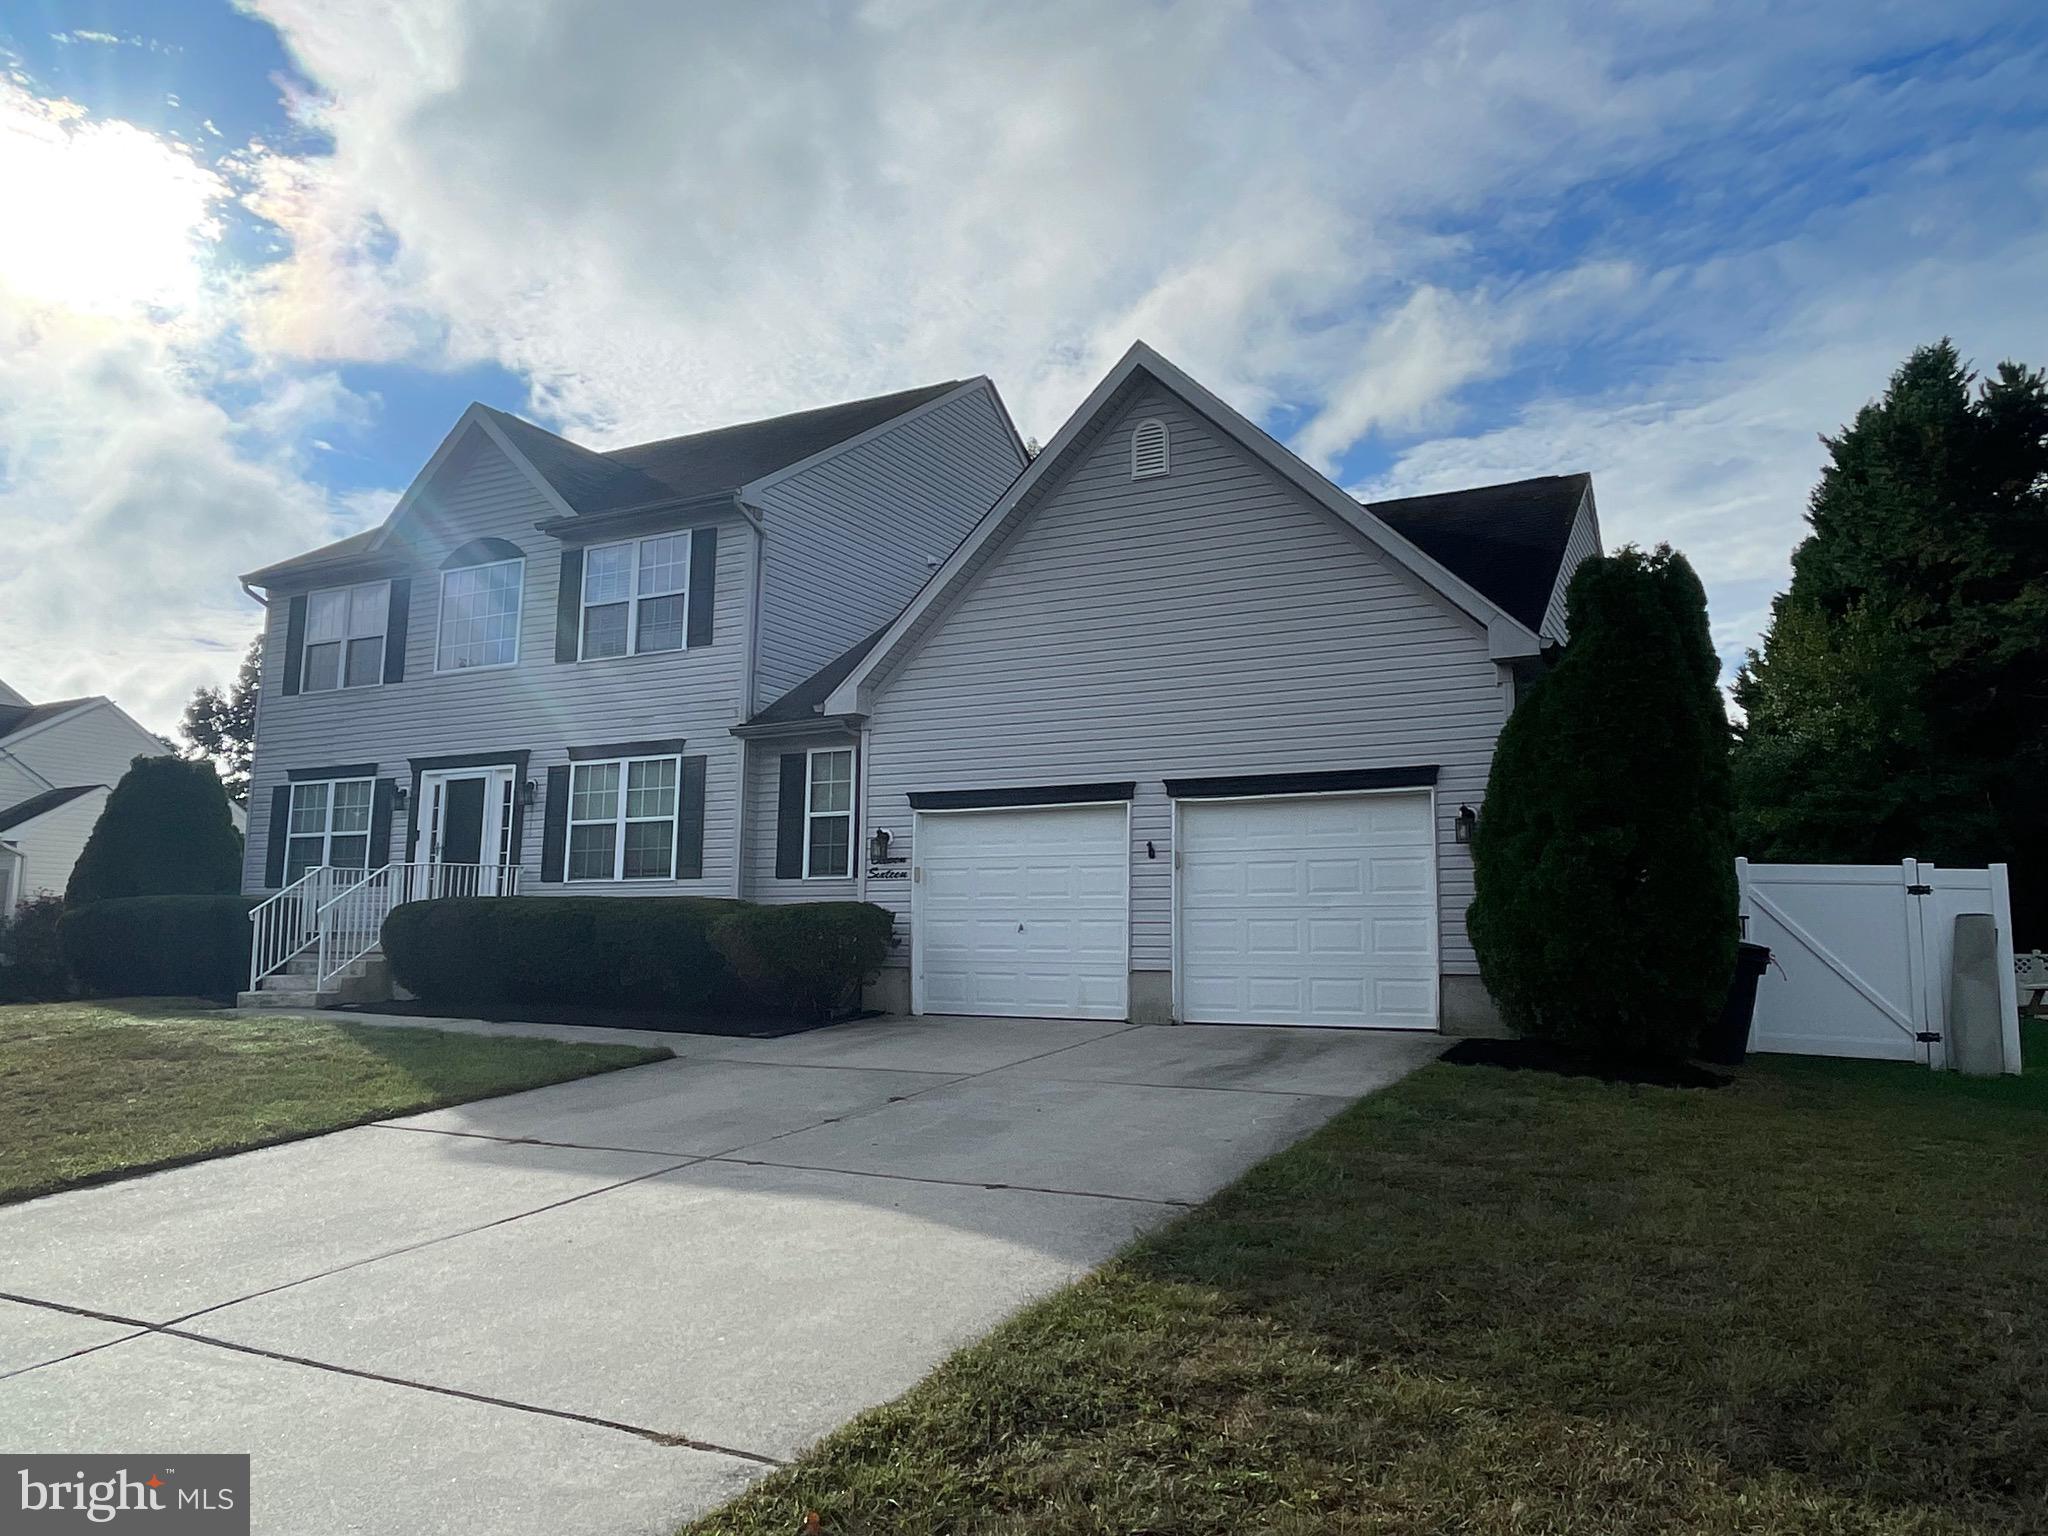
<point x="789" y="819"/>
<point x="394" y="629"/>
<point x="690" y="830"/>
<point x="294" y="642"/>
<point x="275" y="835"/>
<point x="853" y="814"/>
<point x="568" y="606"/>
<point x="381" y="796"/>
<point x="554" y="837"/>
<point x="703" y="585"/>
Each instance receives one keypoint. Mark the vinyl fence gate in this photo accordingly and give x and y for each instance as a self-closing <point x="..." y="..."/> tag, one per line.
<point x="1861" y="956"/>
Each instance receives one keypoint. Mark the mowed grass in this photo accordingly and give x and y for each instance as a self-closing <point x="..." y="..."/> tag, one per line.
<point x="1497" y="1302"/>
<point x="89" y="1090"/>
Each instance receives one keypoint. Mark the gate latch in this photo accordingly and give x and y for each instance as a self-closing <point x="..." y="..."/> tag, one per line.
<point x="1919" y="890"/>
<point x="1929" y="1037"/>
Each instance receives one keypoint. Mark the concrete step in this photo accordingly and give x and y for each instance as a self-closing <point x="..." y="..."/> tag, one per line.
<point x="364" y="980"/>
<point x="289" y="999"/>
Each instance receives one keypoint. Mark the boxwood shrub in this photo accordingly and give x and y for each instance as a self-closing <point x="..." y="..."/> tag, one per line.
<point x="159" y="946"/>
<point x="806" y="960"/>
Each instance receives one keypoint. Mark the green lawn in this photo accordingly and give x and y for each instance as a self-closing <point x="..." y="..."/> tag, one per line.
<point x="1495" y="1302"/>
<point x="88" y="1090"/>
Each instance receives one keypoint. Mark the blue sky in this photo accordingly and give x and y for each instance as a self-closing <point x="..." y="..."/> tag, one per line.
<point x="267" y="252"/>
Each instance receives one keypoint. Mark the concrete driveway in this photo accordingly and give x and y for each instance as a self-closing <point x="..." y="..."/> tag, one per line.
<point x="608" y="1305"/>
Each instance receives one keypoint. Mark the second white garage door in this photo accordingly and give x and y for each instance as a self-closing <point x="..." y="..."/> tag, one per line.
<point x="1022" y="912"/>
<point x="1318" y="910"/>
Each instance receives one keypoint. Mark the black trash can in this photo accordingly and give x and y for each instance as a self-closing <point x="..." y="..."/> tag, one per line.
<point x="1726" y="1042"/>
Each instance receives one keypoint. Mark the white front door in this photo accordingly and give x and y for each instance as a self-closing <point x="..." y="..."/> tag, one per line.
<point x="1022" y="912"/>
<point x="466" y="828"/>
<point x="1318" y="909"/>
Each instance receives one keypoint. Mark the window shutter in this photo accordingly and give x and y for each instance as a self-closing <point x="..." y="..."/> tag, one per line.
<point x="568" y="615"/>
<point x="394" y="629"/>
<point x="275" y="834"/>
<point x="690" y="828"/>
<point x="381" y="796"/>
<point x="294" y="642"/>
<point x="703" y="585"/>
<point x="554" y="837"/>
<point x="789" y="818"/>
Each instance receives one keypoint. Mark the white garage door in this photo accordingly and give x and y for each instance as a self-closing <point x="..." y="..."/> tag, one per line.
<point x="1023" y="913"/>
<point x="1319" y="910"/>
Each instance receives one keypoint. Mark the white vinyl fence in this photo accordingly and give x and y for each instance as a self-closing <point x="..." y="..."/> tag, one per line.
<point x="1860" y="956"/>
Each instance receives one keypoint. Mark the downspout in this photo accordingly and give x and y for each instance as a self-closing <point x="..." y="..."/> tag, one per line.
<point x="867" y="736"/>
<point x="739" y="827"/>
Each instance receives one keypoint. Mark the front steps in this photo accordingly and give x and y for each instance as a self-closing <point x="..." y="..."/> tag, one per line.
<point x="367" y="980"/>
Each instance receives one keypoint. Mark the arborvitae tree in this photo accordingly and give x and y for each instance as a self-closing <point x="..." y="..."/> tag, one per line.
<point x="1899" y="704"/>
<point x="1605" y="905"/>
<point x="166" y="831"/>
<point x="221" y="724"/>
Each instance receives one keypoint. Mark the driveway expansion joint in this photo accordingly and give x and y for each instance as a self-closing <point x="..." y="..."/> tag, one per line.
<point x="920" y="1178"/>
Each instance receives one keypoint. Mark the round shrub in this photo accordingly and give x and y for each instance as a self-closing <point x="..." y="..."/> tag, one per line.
<point x="32" y="968"/>
<point x="159" y="946"/>
<point x="1604" y="914"/>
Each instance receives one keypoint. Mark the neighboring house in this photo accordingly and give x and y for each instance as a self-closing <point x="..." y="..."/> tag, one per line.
<point x="1159" y="725"/>
<point x="58" y="761"/>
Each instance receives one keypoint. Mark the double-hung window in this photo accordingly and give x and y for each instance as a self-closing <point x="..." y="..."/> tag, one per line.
<point x="330" y="824"/>
<point x="345" y="637"/>
<point x="622" y="819"/>
<point x="480" y="616"/>
<point x="828" y="814"/>
<point x="635" y="596"/>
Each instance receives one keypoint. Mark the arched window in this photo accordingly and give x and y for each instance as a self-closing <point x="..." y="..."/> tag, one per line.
<point x="1148" y="449"/>
<point x="483" y="552"/>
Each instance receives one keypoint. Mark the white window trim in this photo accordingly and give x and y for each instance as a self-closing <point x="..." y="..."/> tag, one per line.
<point x="620" y="821"/>
<point x="852" y="798"/>
<point x="327" y="833"/>
<point x="383" y="638"/>
<point x="518" y="618"/>
<point x="634" y="596"/>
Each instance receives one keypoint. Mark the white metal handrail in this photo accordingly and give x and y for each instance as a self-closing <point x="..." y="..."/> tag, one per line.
<point x="282" y="926"/>
<point x="350" y="923"/>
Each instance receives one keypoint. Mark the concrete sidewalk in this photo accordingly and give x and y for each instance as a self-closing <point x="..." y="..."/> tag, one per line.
<point x="607" y="1305"/>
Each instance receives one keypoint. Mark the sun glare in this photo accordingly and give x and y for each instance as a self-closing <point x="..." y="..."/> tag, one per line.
<point x="99" y="217"/>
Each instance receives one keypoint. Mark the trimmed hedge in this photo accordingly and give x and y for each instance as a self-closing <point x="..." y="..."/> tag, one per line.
<point x="682" y="954"/>
<point x="166" y="830"/>
<point x="159" y="946"/>
<point x="32" y="968"/>
<point x="806" y="960"/>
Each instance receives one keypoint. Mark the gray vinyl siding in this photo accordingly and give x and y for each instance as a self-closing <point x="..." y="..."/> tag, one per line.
<point x="1210" y="621"/>
<point x="764" y="789"/>
<point x="93" y="746"/>
<point x="852" y="538"/>
<point x="50" y="845"/>
<point x="538" y="705"/>
<point x="1583" y="544"/>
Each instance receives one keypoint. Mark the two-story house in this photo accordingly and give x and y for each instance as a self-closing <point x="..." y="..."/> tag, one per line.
<point x="531" y="670"/>
<point x="1161" y="724"/>
<point x="58" y="762"/>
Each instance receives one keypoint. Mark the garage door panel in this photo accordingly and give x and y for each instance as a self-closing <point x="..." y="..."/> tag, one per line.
<point x="1023" y="912"/>
<point x="1320" y="910"/>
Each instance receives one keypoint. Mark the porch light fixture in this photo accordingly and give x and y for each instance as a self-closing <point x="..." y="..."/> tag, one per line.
<point x="1467" y="823"/>
<point x="878" y="846"/>
<point x="528" y="792"/>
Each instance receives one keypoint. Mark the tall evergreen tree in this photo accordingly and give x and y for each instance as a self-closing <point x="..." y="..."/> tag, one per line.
<point x="1898" y="706"/>
<point x="165" y="831"/>
<point x="221" y="724"/>
<point x="1604" y="911"/>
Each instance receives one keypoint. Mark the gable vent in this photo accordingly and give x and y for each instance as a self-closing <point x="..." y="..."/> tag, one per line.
<point x="1148" y="449"/>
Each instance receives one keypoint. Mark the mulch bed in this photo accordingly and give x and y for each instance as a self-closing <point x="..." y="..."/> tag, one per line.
<point x="755" y="1027"/>
<point x="1538" y="1056"/>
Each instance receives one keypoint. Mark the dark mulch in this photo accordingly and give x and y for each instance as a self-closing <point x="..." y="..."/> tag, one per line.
<point x="1538" y="1056"/>
<point x="744" y="1026"/>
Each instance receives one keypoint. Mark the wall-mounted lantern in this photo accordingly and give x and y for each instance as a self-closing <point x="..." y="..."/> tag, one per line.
<point x="878" y="846"/>
<point x="1467" y="823"/>
<point x="528" y="792"/>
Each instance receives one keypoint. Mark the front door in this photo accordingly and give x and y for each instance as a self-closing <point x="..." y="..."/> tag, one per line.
<point x="467" y="831"/>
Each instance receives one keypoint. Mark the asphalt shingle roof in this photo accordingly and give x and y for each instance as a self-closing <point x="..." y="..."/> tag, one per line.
<point x="35" y="805"/>
<point x="802" y="701"/>
<point x="19" y="717"/>
<point x="1506" y="540"/>
<point x="722" y="459"/>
